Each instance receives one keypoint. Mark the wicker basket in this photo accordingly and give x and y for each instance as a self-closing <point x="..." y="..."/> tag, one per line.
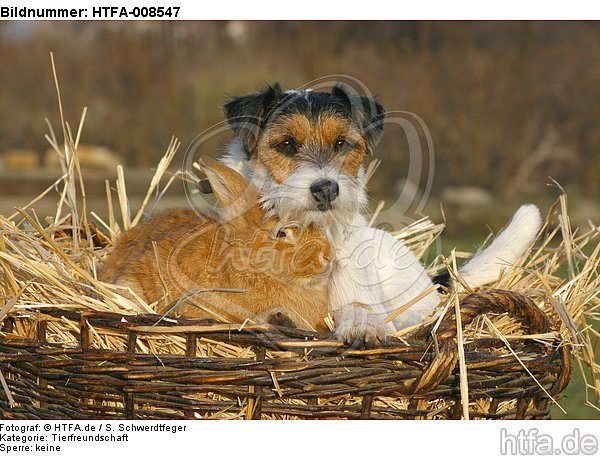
<point x="289" y="374"/>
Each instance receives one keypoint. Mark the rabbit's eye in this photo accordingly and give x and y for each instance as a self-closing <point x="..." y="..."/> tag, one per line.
<point x="288" y="146"/>
<point x="286" y="233"/>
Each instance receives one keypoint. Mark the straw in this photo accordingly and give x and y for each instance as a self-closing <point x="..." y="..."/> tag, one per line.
<point x="464" y="384"/>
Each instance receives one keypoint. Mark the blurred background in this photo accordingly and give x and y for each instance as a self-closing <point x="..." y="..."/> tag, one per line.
<point x="507" y="104"/>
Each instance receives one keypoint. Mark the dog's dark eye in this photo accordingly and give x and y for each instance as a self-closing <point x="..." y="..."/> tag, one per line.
<point x="340" y="143"/>
<point x="281" y="234"/>
<point x="287" y="146"/>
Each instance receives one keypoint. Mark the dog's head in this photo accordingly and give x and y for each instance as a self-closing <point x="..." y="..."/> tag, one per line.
<point x="307" y="149"/>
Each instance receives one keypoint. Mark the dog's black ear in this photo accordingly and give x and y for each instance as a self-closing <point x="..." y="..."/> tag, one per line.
<point x="340" y="93"/>
<point x="367" y="111"/>
<point x="248" y="114"/>
<point x="373" y="115"/>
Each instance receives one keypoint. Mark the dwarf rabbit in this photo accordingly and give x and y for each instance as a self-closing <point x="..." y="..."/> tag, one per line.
<point x="175" y="257"/>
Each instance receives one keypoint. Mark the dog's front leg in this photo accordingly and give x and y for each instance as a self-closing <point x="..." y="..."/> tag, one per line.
<point x="356" y="294"/>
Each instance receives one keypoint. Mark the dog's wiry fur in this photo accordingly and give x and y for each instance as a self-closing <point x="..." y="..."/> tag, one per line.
<point x="315" y="121"/>
<point x="287" y="141"/>
<point x="290" y="198"/>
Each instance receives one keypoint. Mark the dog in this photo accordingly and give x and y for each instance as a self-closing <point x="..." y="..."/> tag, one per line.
<point x="306" y="151"/>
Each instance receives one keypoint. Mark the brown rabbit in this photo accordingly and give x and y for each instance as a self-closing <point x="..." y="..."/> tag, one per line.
<point x="172" y="257"/>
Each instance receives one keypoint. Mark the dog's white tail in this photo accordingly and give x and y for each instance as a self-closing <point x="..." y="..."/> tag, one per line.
<point x="486" y="266"/>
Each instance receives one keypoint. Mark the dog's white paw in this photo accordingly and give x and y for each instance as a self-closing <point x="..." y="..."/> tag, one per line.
<point x="360" y="329"/>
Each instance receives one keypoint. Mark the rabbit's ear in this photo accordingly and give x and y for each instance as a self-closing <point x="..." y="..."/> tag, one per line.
<point x="232" y="190"/>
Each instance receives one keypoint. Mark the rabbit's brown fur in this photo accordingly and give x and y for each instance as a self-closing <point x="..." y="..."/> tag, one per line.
<point x="172" y="256"/>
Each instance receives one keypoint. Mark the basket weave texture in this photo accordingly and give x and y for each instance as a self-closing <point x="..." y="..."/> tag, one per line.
<point x="288" y="373"/>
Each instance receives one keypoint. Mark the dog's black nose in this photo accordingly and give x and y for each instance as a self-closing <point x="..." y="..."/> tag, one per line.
<point x="324" y="191"/>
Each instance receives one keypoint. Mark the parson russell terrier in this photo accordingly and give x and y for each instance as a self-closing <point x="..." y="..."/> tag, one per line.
<point x="306" y="151"/>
